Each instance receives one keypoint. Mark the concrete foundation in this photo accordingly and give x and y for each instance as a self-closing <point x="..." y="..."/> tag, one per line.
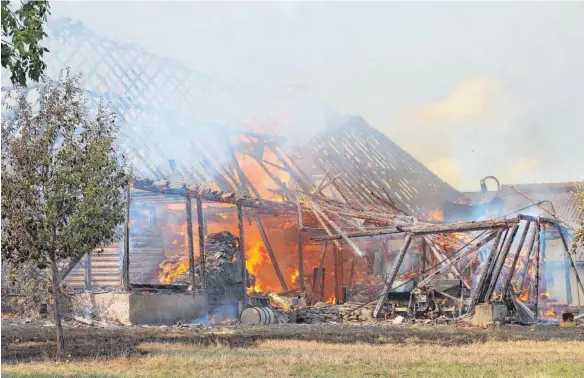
<point x="143" y="307"/>
<point x="487" y="313"/>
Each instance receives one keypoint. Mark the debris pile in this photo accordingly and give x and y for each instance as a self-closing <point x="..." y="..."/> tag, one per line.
<point x="326" y="313"/>
<point x="223" y="271"/>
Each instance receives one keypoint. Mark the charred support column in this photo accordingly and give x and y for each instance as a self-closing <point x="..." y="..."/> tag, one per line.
<point x="189" y="209"/>
<point x="483" y="278"/>
<point x="88" y="271"/>
<point x="336" y="272"/>
<point x="200" y="222"/>
<point x="392" y="275"/>
<point x="317" y="277"/>
<point x="512" y="269"/>
<point x="543" y="247"/>
<point x="423" y="259"/>
<point x="537" y="259"/>
<point x="126" y="252"/>
<point x="501" y="262"/>
<point x="270" y="252"/>
<point x="242" y="252"/>
<point x="530" y="248"/>
<point x="300" y="262"/>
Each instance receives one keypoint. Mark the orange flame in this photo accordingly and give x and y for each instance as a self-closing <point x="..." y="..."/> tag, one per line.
<point x="435" y="215"/>
<point x="332" y="299"/>
<point x="171" y="270"/>
<point x="550" y="313"/>
<point x="294" y="276"/>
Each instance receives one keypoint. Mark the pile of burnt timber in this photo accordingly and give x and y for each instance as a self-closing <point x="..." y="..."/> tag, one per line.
<point x="499" y="279"/>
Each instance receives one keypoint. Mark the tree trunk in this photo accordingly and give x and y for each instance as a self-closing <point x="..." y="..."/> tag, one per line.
<point x="58" y="324"/>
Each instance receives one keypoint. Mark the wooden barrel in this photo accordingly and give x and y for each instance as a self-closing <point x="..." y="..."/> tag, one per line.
<point x="257" y="315"/>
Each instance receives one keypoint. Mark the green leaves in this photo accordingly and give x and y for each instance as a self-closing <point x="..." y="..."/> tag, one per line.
<point x="61" y="177"/>
<point x="22" y="30"/>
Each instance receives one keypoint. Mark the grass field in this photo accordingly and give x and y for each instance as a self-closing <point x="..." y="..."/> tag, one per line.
<point x="274" y="358"/>
<point x="394" y="352"/>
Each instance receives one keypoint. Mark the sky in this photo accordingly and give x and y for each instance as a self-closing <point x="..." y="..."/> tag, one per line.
<point x="468" y="88"/>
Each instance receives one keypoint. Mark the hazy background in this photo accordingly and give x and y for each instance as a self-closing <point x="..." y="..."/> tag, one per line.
<point x="470" y="89"/>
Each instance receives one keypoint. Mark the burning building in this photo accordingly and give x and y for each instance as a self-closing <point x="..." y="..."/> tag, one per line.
<point x="347" y="216"/>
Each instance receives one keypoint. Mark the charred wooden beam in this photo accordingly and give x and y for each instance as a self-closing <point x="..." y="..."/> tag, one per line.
<point x="517" y="254"/>
<point x="189" y="210"/>
<point x="336" y="272"/>
<point x="301" y="181"/>
<point x="316" y="279"/>
<point x="270" y="252"/>
<point x="423" y="258"/>
<point x="352" y="272"/>
<point x="242" y="253"/>
<point x="300" y="263"/>
<point x="392" y="275"/>
<point x="538" y="248"/>
<point x="472" y="248"/>
<point x="530" y="248"/>
<point x="201" y="231"/>
<point x="274" y="178"/>
<point x="501" y="262"/>
<point x="216" y="196"/>
<point x="477" y="296"/>
<point x="126" y="250"/>
<point x="317" y="210"/>
<point x="428" y="229"/>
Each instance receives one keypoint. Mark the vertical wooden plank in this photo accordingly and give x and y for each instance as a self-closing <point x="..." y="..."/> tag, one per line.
<point x="126" y="251"/>
<point x="242" y="253"/>
<point x="189" y="210"/>
<point x="200" y="222"/>
<point x="300" y="262"/>
<point x="336" y="271"/>
<point x="423" y="259"/>
<point x="537" y="267"/>
<point x="514" y="264"/>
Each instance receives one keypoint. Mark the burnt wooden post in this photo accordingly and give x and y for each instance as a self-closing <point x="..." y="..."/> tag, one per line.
<point x="537" y="266"/>
<point x="483" y="278"/>
<point x="126" y="251"/>
<point x="317" y="276"/>
<point x="392" y="275"/>
<point x="300" y="262"/>
<point x="530" y="248"/>
<point x="502" y="257"/>
<point x="423" y="259"/>
<point x="514" y="264"/>
<point x="242" y="252"/>
<point x="336" y="271"/>
<point x="189" y="209"/>
<point x="270" y="252"/>
<point x="543" y="248"/>
<point x="200" y="222"/>
<point x="88" y="271"/>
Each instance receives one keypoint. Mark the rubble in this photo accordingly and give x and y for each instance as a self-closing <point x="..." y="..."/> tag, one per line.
<point x="325" y="313"/>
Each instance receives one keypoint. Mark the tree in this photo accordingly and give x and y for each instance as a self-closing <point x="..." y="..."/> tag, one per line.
<point x="62" y="181"/>
<point x="22" y="31"/>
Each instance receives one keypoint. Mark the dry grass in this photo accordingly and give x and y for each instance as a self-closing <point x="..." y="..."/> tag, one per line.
<point x="553" y="358"/>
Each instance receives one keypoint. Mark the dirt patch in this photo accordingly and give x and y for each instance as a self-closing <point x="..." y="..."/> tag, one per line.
<point x="33" y="341"/>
